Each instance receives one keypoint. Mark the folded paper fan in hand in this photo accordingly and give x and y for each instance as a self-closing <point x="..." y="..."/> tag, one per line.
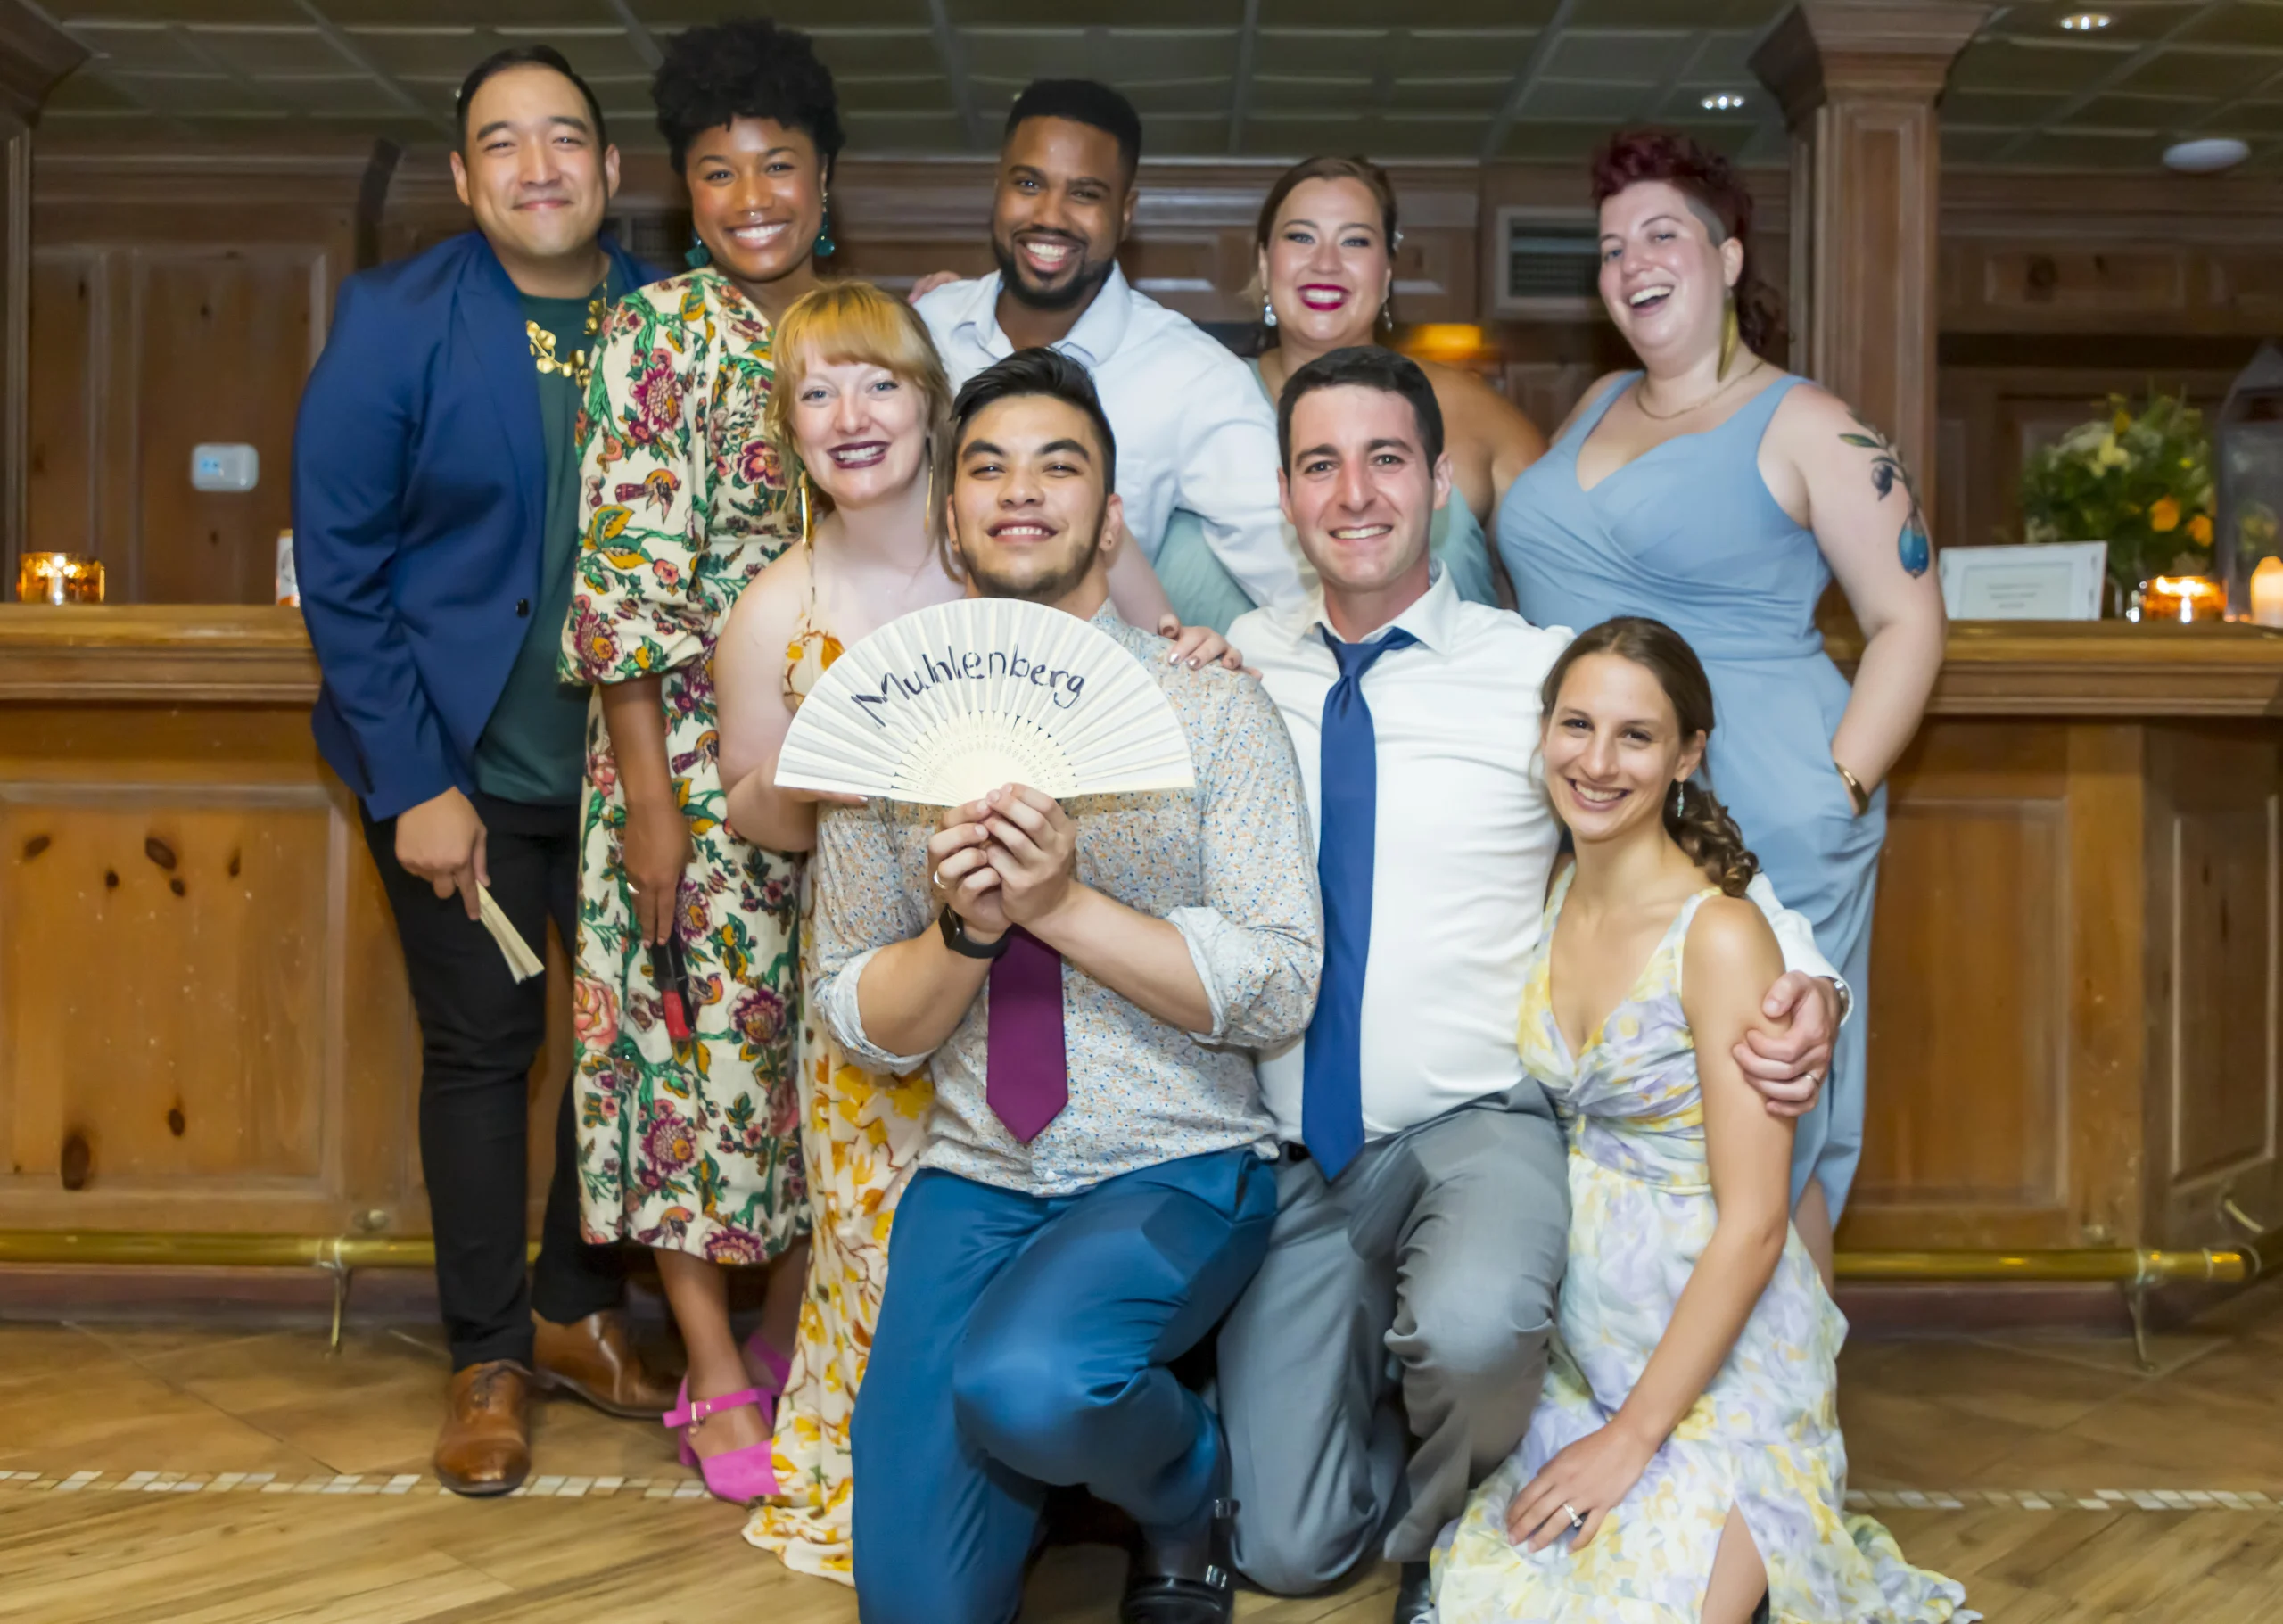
<point x="949" y="702"/>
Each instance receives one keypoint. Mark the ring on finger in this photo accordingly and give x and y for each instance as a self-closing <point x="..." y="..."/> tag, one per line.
<point x="937" y="879"/>
<point x="1571" y="1512"/>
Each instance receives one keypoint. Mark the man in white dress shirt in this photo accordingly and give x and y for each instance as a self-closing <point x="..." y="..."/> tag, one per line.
<point x="1192" y="429"/>
<point x="1422" y="1195"/>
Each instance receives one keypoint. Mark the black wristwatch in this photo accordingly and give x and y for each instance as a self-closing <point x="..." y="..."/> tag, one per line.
<point x="956" y="938"/>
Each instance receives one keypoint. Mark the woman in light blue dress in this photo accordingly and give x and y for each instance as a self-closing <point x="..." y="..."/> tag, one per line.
<point x="1721" y="496"/>
<point x="1684" y="1462"/>
<point x="1327" y="239"/>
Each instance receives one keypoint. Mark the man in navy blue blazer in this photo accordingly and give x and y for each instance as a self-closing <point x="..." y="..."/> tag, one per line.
<point x="436" y="527"/>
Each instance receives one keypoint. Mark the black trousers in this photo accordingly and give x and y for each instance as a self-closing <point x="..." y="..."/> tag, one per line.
<point x="479" y="1033"/>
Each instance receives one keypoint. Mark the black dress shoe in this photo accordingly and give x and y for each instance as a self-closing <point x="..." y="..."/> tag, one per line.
<point x="1414" y="1597"/>
<point x="1191" y="1578"/>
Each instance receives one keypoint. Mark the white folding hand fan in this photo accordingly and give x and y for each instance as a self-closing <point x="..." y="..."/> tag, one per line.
<point x="949" y="702"/>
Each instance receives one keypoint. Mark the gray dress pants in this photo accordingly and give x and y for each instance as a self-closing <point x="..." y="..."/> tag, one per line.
<point x="1420" y="1285"/>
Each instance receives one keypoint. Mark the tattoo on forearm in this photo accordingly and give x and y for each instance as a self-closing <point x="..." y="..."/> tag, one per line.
<point x="1887" y="472"/>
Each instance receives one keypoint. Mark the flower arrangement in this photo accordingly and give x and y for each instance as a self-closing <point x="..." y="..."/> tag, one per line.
<point x="2140" y="481"/>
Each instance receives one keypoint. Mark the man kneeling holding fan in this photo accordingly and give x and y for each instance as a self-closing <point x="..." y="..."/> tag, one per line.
<point x="1087" y="977"/>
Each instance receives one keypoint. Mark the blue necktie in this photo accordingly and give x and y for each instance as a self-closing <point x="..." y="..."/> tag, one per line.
<point x="1347" y="799"/>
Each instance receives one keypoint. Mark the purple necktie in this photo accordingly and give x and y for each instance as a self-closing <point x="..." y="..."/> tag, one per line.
<point x="1027" y="1076"/>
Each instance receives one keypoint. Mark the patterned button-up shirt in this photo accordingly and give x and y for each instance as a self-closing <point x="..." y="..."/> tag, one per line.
<point x="1228" y="864"/>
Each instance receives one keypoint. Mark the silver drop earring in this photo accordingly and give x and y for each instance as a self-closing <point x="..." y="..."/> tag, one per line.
<point x="1267" y="312"/>
<point x="1680" y="800"/>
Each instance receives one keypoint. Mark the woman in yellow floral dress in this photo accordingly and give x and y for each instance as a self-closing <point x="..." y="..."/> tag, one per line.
<point x="688" y="1105"/>
<point x="858" y="377"/>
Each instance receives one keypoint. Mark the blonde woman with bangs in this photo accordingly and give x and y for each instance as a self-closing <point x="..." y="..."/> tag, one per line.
<point x="858" y="415"/>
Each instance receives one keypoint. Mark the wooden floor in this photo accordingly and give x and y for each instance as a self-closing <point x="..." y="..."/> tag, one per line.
<point x="210" y="1477"/>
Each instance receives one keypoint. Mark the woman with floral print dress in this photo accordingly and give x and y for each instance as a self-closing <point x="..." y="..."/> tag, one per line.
<point x="687" y="1142"/>
<point x="1684" y="1464"/>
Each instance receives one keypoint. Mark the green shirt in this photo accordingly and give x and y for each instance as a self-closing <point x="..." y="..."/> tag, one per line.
<point x="535" y="747"/>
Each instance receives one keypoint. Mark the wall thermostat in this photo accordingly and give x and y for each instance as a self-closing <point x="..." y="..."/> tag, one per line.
<point x="215" y="467"/>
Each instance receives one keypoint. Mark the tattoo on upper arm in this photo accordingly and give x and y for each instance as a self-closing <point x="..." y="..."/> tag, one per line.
<point x="1887" y="472"/>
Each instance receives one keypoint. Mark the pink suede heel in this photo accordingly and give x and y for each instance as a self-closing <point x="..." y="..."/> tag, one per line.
<point x="739" y="1476"/>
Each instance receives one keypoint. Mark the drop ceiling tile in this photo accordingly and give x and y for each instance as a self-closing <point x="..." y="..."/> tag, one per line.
<point x="335" y="96"/>
<point x="447" y="13"/>
<point x="1648" y="58"/>
<point x="1495" y="14"/>
<point x="1317" y="95"/>
<point x="443" y="54"/>
<point x="2239" y="24"/>
<point x="1747" y="14"/>
<point x="2204" y="75"/>
<point x="2131" y="23"/>
<point x="1451" y="95"/>
<point x="1468" y="50"/>
<point x="1229" y="14"/>
<point x="136" y="49"/>
<point x="880" y="51"/>
<point x="1559" y="100"/>
<point x="1727" y="56"/>
<point x="69" y="12"/>
<point x="1177" y="99"/>
<point x="1116" y="54"/>
<point x="1687" y="102"/>
<point x="2003" y="64"/>
<point x="185" y="95"/>
<point x="1354" y="53"/>
<point x="2247" y="118"/>
<point x="892" y="96"/>
<point x="2138" y="112"/>
<point x="264" y="50"/>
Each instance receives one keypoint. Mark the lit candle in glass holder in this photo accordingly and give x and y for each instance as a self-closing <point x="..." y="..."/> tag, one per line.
<point x="59" y="578"/>
<point x="2267" y="592"/>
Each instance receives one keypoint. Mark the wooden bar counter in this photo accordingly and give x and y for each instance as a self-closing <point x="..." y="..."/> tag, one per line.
<point x="204" y="1027"/>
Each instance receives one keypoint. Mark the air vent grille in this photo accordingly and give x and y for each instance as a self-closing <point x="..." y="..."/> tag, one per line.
<point x="1551" y="261"/>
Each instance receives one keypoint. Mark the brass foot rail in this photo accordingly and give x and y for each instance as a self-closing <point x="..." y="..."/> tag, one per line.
<point x="2138" y="1270"/>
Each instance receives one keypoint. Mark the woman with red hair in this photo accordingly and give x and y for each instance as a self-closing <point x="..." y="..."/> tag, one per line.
<point x="1713" y="490"/>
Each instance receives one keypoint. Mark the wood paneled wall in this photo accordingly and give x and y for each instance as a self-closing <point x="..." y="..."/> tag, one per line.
<point x="181" y="296"/>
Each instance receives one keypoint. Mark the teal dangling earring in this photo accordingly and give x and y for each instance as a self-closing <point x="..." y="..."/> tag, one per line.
<point x="697" y="257"/>
<point x="825" y="246"/>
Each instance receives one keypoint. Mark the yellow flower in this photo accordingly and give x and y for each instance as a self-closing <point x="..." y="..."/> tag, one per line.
<point x="2110" y="454"/>
<point x="2163" y="515"/>
<point x="2122" y="421"/>
<point x="2200" y="529"/>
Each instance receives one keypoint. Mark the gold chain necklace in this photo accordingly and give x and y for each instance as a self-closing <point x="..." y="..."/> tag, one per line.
<point x="1642" y="407"/>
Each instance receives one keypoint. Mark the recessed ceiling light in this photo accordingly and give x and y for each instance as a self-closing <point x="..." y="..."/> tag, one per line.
<point x="2087" y="23"/>
<point x="1725" y="101"/>
<point x="2204" y="157"/>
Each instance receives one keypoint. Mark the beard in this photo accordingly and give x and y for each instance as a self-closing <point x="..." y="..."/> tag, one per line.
<point x="1084" y="283"/>
<point x="1049" y="588"/>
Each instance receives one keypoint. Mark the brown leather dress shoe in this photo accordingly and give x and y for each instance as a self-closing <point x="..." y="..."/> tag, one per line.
<point x="485" y="1447"/>
<point x="594" y="1359"/>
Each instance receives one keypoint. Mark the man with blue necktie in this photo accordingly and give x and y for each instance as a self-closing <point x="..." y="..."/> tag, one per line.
<point x="1388" y="1355"/>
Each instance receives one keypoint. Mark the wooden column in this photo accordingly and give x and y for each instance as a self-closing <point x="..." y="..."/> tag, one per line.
<point x="34" y="54"/>
<point x="1858" y="81"/>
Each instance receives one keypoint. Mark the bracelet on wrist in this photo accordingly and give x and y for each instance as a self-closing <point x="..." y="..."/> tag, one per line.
<point x="1855" y="793"/>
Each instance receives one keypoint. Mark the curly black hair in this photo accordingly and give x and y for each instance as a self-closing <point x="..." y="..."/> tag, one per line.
<point x="748" y="67"/>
